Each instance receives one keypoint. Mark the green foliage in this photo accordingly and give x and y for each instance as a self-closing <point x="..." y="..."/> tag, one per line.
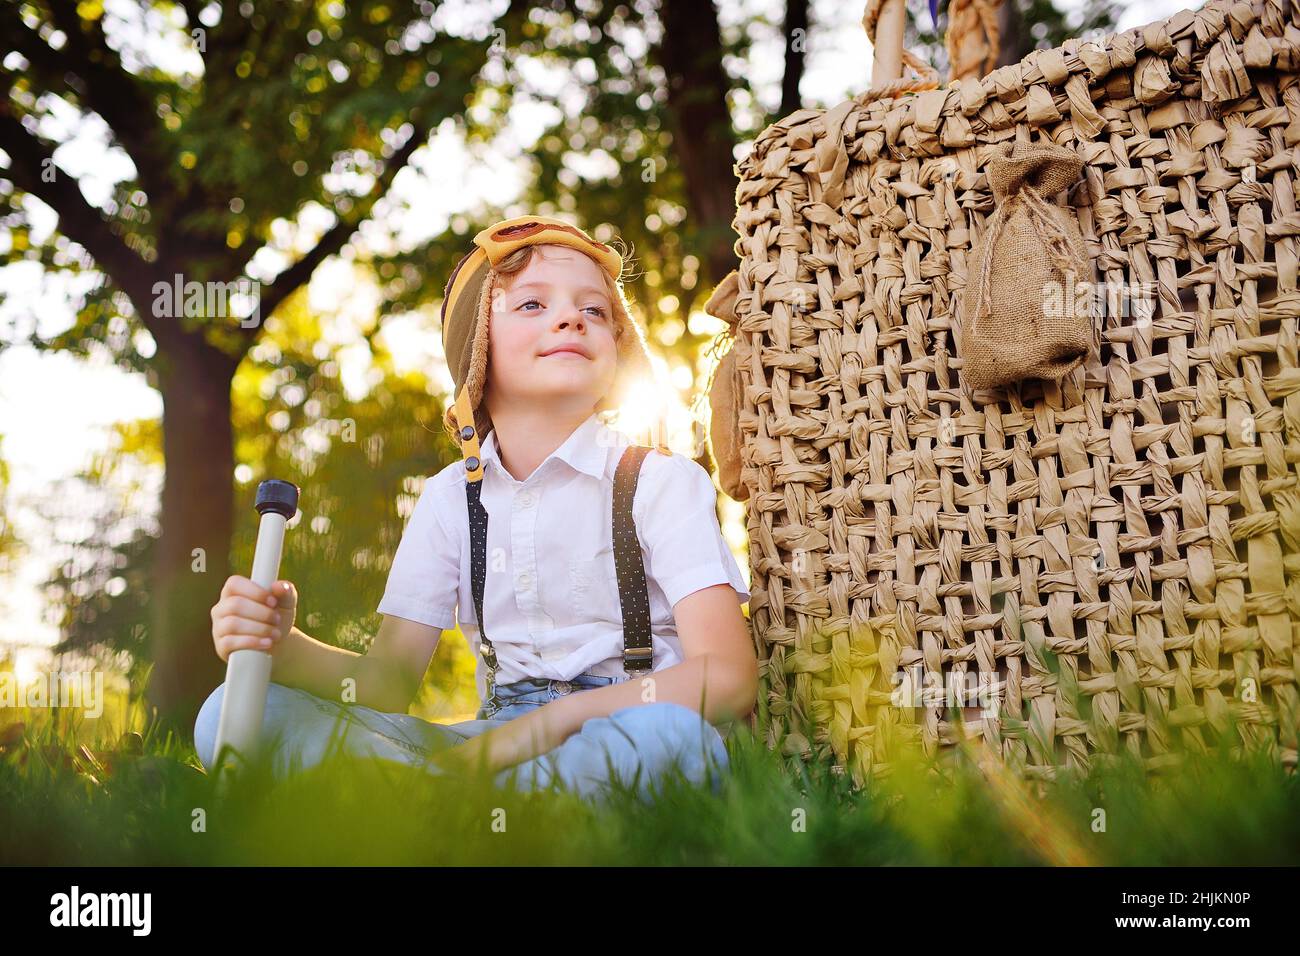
<point x="279" y="106"/>
<point x="360" y="464"/>
<point x="104" y="533"/>
<point x="58" y="806"/>
<point x="11" y="546"/>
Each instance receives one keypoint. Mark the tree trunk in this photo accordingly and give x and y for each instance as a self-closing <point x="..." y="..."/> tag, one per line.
<point x="1012" y="26"/>
<point x="796" y="29"/>
<point x="197" y="513"/>
<point x="691" y="55"/>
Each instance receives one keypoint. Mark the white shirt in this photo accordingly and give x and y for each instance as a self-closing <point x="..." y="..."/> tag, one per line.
<point x="550" y="596"/>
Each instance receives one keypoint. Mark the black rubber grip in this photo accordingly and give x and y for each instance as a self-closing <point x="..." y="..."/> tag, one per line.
<point x="278" y="496"/>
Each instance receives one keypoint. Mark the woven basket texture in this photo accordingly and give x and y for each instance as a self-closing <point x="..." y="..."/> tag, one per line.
<point x="1112" y="558"/>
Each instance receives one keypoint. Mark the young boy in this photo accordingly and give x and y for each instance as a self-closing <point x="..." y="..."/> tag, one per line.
<point x="614" y="632"/>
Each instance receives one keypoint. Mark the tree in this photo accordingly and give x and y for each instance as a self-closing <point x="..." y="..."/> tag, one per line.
<point x="295" y="108"/>
<point x="287" y="106"/>
<point x="357" y="461"/>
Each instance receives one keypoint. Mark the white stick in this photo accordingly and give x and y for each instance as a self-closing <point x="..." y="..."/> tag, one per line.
<point x="248" y="672"/>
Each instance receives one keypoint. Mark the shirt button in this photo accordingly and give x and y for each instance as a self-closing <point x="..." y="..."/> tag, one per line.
<point x="525" y="578"/>
<point x="525" y="499"/>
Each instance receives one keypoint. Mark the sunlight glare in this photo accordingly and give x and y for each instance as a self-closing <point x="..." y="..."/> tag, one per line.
<point x="656" y="414"/>
<point x="25" y="669"/>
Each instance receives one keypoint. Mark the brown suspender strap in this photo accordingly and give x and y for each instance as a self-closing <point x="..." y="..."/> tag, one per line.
<point x="638" y="650"/>
<point x="478" y="522"/>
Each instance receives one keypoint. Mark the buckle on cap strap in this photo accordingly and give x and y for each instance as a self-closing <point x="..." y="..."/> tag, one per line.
<point x="467" y="433"/>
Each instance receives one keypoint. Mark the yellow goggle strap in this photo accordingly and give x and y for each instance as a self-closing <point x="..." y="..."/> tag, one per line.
<point x="468" y="436"/>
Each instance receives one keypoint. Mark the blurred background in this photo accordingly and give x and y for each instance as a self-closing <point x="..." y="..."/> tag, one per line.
<point x="334" y="159"/>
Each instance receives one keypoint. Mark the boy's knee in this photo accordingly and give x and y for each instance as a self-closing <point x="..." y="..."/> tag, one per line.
<point x="673" y="728"/>
<point x="638" y="745"/>
<point x="278" y="697"/>
<point x="205" y="726"/>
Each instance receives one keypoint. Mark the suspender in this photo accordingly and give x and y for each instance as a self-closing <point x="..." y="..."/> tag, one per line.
<point x="633" y="596"/>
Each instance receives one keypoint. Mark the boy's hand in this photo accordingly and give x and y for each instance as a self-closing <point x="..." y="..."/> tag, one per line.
<point x="250" y="617"/>
<point x="475" y="755"/>
<point x="513" y="742"/>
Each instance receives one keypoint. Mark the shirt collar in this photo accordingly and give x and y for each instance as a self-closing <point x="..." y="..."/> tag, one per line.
<point x="586" y="449"/>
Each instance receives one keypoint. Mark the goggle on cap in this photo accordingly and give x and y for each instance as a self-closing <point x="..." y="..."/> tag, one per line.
<point x="466" y="308"/>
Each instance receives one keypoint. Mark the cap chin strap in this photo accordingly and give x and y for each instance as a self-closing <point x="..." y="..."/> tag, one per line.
<point x="468" y="435"/>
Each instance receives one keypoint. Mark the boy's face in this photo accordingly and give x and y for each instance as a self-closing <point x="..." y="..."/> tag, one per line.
<point x="551" y="334"/>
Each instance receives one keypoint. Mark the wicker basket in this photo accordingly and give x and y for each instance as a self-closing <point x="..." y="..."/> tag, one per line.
<point x="1119" y="552"/>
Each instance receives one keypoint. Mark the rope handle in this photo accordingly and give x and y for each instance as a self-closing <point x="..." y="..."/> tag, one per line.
<point x="926" y="78"/>
<point x="972" y="40"/>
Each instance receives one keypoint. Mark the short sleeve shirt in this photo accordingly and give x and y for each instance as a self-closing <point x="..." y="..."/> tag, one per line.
<point x="550" y="597"/>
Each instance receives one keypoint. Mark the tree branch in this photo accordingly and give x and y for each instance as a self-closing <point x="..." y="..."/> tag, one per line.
<point x="46" y="62"/>
<point x="78" y="220"/>
<point x="337" y="235"/>
<point x="112" y="93"/>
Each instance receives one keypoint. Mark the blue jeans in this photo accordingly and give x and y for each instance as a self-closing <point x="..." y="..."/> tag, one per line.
<point x="634" y="745"/>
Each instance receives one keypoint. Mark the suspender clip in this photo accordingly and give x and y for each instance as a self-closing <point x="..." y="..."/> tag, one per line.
<point x="638" y="658"/>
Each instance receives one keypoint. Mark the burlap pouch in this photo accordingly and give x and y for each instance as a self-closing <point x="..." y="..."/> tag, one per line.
<point x="1028" y="304"/>
<point x="725" y="392"/>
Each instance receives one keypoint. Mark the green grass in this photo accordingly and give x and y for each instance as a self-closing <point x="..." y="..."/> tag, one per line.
<point x="56" y="807"/>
